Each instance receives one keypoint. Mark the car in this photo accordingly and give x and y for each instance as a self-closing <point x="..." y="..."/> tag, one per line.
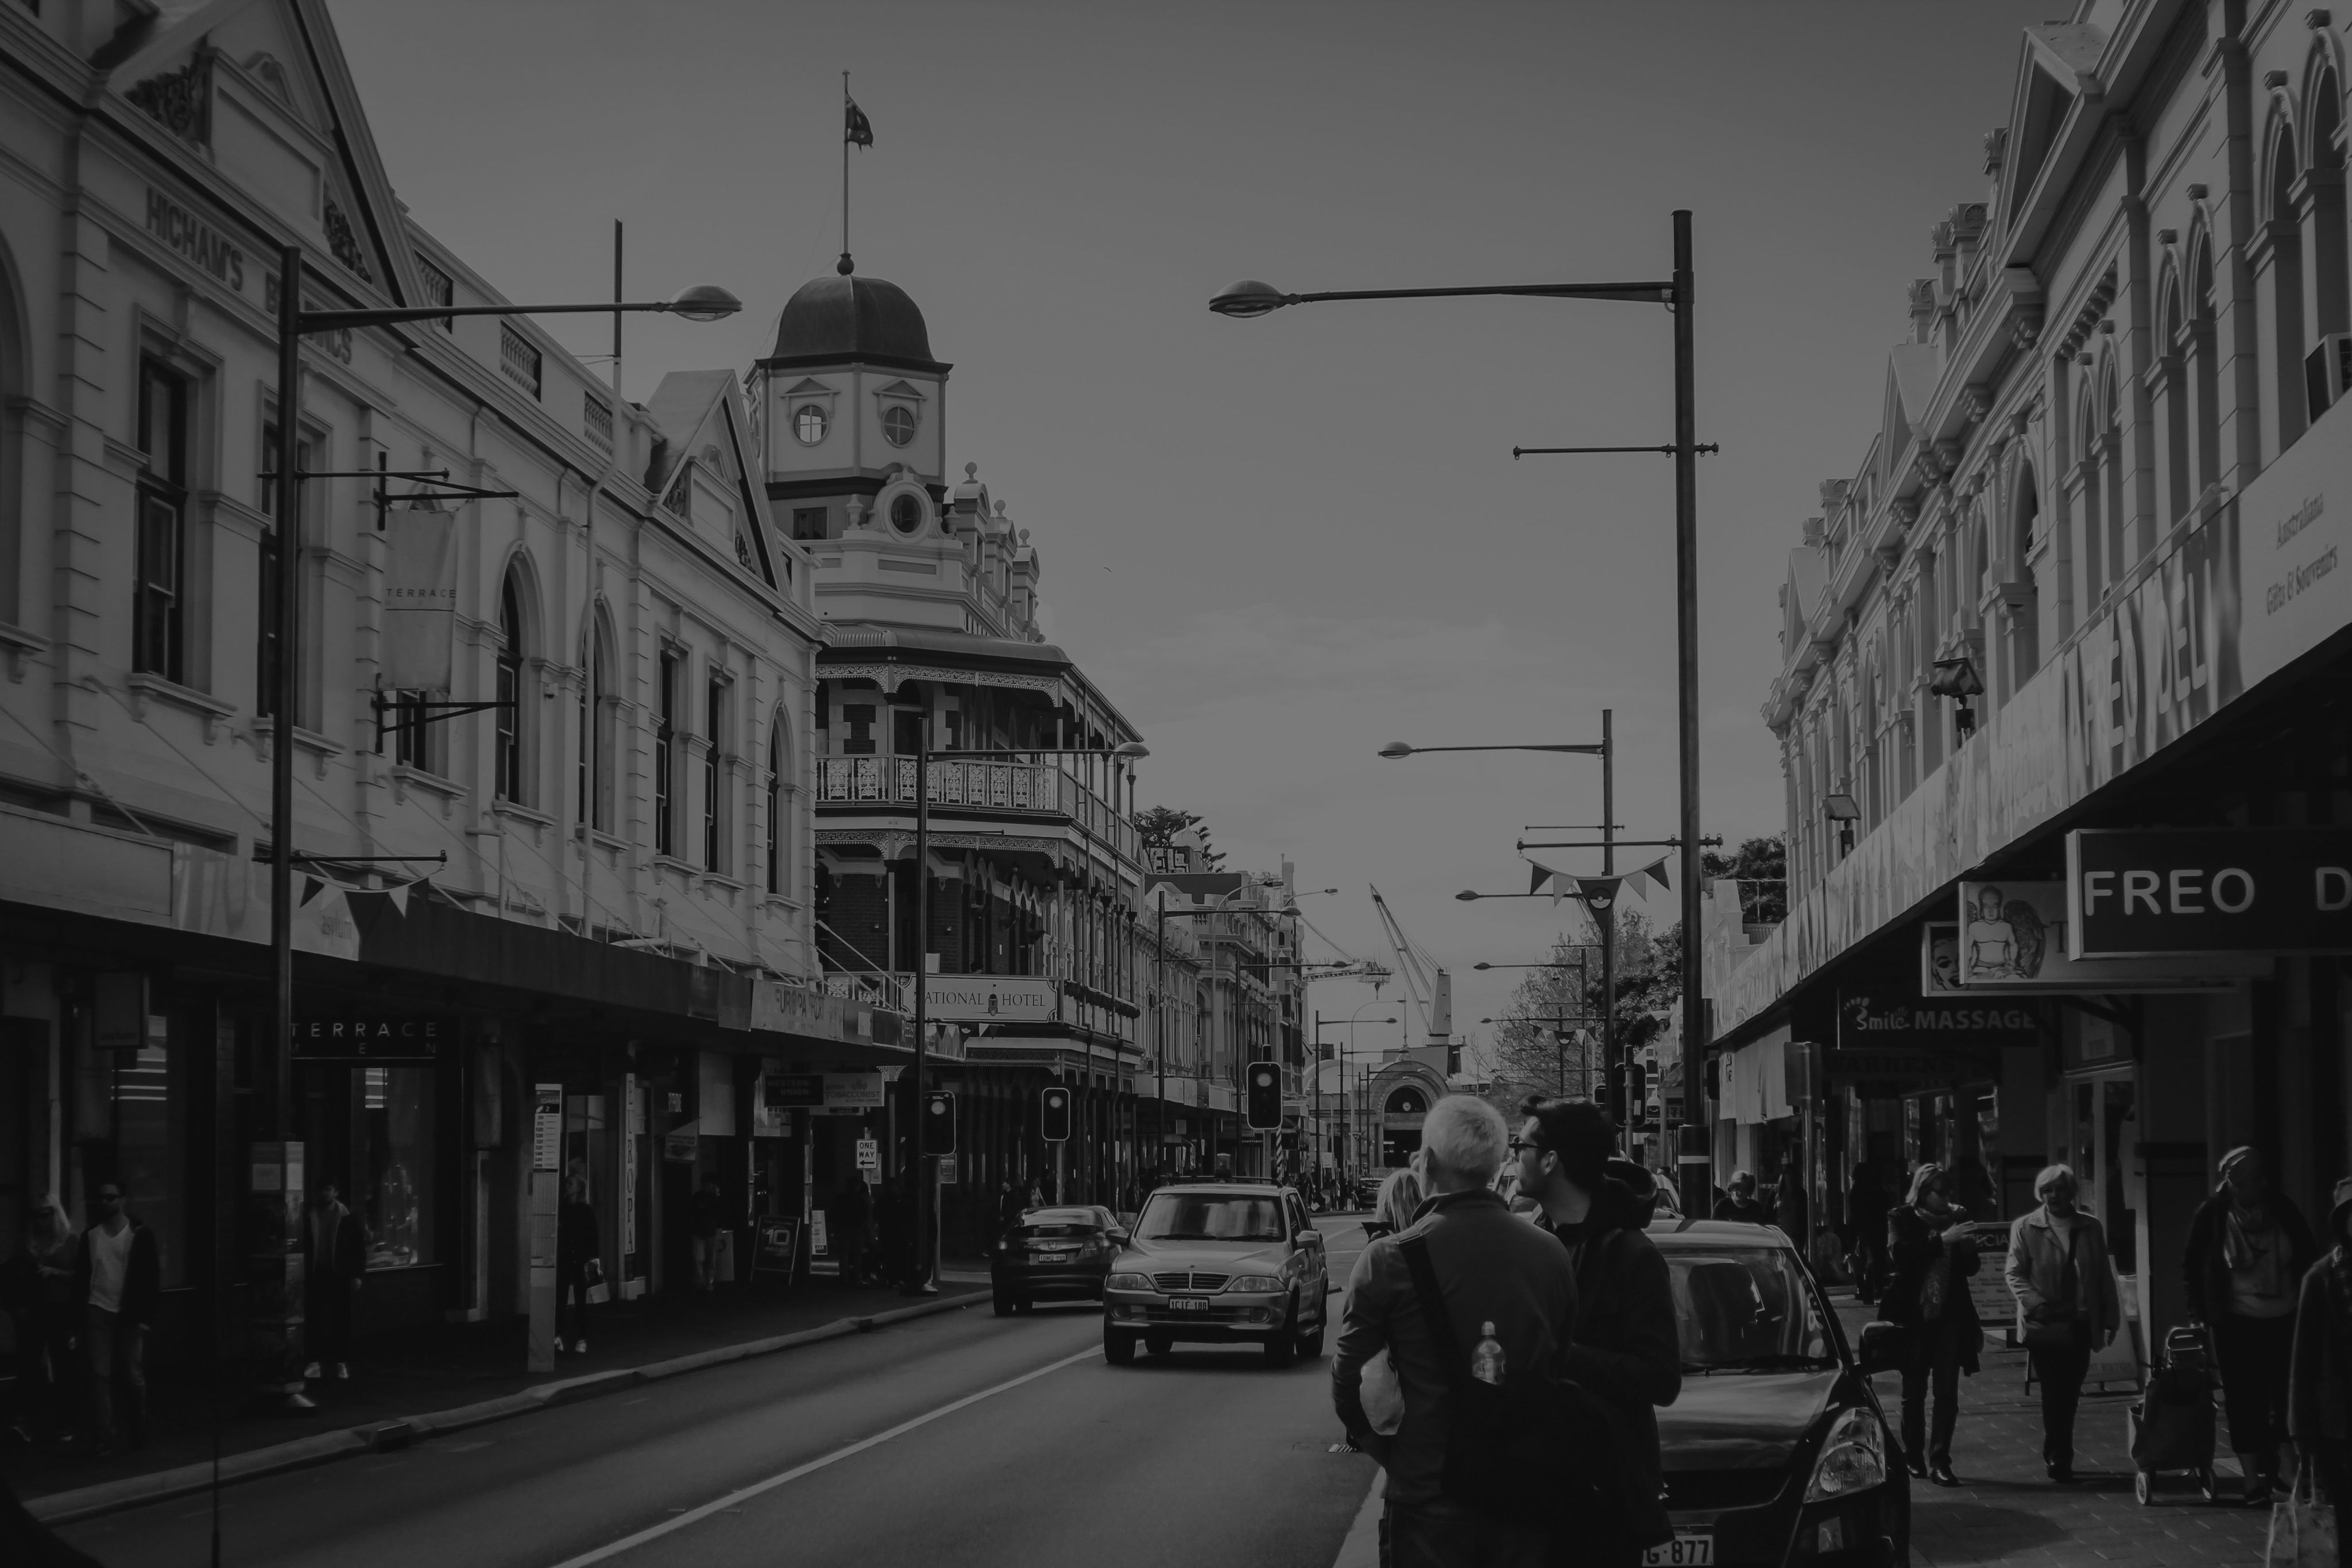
<point x="1776" y="1451"/>
<point x="1054" y="1254"/>
<point x="1219" y="1263"/>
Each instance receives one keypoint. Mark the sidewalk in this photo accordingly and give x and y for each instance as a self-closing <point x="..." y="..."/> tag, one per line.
<point x="452" y="1366"/>
<point x="2007" y="1512"/>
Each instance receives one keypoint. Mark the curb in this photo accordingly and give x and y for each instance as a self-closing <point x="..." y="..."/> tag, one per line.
<point x="391" y="1433"/>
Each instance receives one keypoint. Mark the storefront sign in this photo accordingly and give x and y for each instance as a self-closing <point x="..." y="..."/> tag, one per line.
<point x="2011" y="939"/>
<point x="779" y="1246"/>
<point x="841" y="1091"/>
<point x="1846" y="1065"/>
<point x="376" y="1037"/>
<point x="1867" y="1019"/>
<point x="197" y="240"/>
<point x="547" y="1127"/>
<point x="2145" y="892"/>
<point x="420" y="597"/>
<point x="988" y="998"/>
<point x="680" y="1147"/>
<point x="797" y="1010"/>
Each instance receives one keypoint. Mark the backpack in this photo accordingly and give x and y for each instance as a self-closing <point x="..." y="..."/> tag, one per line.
<point x="1533" y="1448"/>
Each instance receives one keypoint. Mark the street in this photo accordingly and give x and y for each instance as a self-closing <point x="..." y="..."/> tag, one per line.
<point x="964" y="1439"/>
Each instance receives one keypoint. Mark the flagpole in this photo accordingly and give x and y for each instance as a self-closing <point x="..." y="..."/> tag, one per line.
<point x="845" y="263"/>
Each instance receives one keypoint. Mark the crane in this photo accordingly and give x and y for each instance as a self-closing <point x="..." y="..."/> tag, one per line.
<point x="1349" y="964"/>
<point x="1426" y="980"/>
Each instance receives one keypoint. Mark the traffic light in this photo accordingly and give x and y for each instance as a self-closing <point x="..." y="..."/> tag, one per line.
<point x="939" y="1121"/>
<point x="1054" y="1114"/>
<point x="1616" y="1103"/>
<point x="1262" y="1098"/>
<point x="1638" y="1097"/>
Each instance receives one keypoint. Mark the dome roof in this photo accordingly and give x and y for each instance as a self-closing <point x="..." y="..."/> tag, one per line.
<point x="853" y="318"/>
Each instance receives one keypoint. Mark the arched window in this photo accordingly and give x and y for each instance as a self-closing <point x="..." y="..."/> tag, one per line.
<point x="2092" y="503"/>
<point x="2204" y="372"/>
<point x="2025" y="617"/>
<point x="2278" y="267"/>
<point x="597" y="713"/>
<point x="779" y="829"/>
<point x="511" y="777"/>
<point x="2173" y="399"/>
<point x="2328" y="304"/>
<point x="2121" y="549"/>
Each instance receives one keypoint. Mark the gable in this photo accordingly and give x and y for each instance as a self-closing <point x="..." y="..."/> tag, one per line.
<point x="261" y="87"/>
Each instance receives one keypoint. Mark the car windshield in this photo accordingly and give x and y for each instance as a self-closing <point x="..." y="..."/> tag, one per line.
<point x="1210" y="1217"/>
<point x="1746" y="1309"/>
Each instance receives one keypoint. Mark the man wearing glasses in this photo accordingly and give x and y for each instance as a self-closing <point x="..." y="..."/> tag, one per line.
<point x="118" y="1277"/>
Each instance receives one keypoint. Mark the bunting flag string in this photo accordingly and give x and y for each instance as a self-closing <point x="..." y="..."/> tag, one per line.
<point x="1598" y="894"/>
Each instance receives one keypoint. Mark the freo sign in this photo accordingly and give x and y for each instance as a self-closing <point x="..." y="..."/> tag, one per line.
<point x="2152" y="892"/>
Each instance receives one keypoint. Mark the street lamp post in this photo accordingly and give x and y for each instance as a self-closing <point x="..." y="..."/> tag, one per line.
<point x="1346" y="1051"/>
<point x="702" y="303"/>
<point x="1583" y="996"/>
<point x="1251" y="298"/>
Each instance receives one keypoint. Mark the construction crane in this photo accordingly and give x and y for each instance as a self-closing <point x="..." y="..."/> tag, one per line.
<point x="1426" y="980"/>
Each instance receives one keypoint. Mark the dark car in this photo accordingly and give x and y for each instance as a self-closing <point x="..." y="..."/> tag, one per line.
<point x="1054" y="1254"/>
<point x="1776" y="1451"/>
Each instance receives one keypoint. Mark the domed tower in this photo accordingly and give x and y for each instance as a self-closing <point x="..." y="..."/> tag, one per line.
<point x="849" y="400"/>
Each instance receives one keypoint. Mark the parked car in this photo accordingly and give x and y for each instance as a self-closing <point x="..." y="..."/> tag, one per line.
<point x="1054" y="1254"/>
<point x="1776" y="1451"/>
<point x="1219" y="1263"/>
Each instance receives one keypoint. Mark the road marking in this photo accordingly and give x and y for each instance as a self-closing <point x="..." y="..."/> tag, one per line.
<point x="1361" y="1549"/>
<point x="730" y="1502"/>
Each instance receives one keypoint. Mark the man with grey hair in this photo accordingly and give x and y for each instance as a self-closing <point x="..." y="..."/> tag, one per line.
<point x="1497" y="1279"/>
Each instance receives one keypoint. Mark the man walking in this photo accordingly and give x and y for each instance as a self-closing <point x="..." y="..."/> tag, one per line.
<point x="1741" y="1203"/>
<point x="118" y="1277"/>
<point x="335" y="1260"/>
<point x="1509" y="1295"/>
<point x="1624" y="1347"/>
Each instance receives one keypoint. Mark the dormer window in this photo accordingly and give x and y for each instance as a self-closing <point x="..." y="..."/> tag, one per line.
<point x="898" y="424"/>
<point x="809" y="424"/>
<point x="905" y="512"/>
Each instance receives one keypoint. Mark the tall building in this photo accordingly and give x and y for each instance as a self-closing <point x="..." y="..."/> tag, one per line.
<point x="2082" y="585"/>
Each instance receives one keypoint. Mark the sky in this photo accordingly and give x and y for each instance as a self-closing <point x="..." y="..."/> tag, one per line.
<point x="1277" y="544"/>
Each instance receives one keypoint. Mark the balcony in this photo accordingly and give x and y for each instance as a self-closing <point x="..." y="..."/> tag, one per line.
<point x="1030" y="787"/>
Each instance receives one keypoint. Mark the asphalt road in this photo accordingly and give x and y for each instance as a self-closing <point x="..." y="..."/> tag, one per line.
<point x="963" y="1439"/>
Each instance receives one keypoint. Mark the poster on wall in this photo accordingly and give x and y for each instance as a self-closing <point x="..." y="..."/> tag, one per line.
<point x="2009" y="937"/>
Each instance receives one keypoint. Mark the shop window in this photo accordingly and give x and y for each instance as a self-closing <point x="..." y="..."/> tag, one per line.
<point x="393" y="1163"/>
<point x="808" y="522"/>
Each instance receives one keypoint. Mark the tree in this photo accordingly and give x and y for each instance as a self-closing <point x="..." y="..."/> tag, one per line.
<point x="1762" y="867"/>
<point x="1160" y="826"/>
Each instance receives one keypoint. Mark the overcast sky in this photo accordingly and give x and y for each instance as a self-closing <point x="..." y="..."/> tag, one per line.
<point x="1277" y="544"/>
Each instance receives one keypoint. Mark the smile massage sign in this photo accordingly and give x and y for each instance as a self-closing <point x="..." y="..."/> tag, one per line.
<point x="2140" y="892"/>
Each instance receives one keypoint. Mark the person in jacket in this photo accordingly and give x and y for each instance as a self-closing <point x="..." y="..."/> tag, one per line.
<point x="1399" y="1201"/>
<point x="1741" y="1203"/>
<point x="708" y="1209"/>
<point x="1928" y="1261"/>
<point x="334" y="1261"/>
<point x="2319" y="1377"/>
<point x="118" y="1280"/>
<point x="578" y="1265"/>
<point x="2066" y="1305"/>
<point x="1623" y="1346"/>
<point x="1865" y="1230"/>
<point x="37" y="1286"/>
<point x="1789" y="1207"/>
<point x="2248" y="1249"/>
<point x="1491" y="1269"/>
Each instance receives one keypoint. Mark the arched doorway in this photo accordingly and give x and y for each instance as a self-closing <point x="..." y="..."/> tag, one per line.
<point x="1401" y="1117"/>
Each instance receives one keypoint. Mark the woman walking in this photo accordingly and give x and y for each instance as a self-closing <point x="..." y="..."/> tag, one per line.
<point x="1928" y="1260"/>
<point x="2066" y="1305"/>
<point x="1394" y="1210"/>
<point x="2248" y="1248"/>
<point x="577" y="1266"/>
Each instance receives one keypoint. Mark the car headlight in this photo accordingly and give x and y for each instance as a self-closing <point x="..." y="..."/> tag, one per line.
<point x="1260" y="1282"/>
<point x="1852" y="1459"/>
<point x="1128" y="1282"/>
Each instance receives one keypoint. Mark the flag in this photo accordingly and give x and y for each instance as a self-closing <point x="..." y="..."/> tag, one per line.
<point x="856" y="130"/>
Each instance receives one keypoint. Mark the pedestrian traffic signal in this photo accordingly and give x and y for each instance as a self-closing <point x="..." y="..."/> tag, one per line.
<point x="1054" y="1114"/>
<point x="939" y="1121"/>
<point x="1637" y="1100"/>
<point x="1262" y="1103"/>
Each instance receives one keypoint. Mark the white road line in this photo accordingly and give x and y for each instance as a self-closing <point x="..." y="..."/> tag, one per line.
<point x="1361" y="1549"/>
<point x="742" y="1494"/>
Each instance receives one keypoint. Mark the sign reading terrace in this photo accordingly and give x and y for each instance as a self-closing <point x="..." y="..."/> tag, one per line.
<point x="2149" y="892"/>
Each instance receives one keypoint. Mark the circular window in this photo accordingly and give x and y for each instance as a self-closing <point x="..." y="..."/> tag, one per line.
<point x="898" y="424"/>
<point x="1406" y="1102"/>
<point x="906" y="513"/>
<point x="808" y="424"/>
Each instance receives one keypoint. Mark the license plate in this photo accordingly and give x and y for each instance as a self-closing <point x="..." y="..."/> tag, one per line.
<point x="1694" y="1549"/>
<point x="1189" y="1304"/>
<point x="1052" y="1257"/>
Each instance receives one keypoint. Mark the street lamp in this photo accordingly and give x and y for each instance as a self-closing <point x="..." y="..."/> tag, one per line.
<point x="1345" y="1052"/>
<point x="704" y="302"/>
<point x="1252" y="298"/>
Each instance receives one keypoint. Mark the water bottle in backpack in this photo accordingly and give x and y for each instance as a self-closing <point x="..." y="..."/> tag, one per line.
<point x="1486" y="1360"/>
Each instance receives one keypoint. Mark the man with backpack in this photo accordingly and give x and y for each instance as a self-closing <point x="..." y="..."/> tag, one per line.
<point x="1624" y="1347"/>
<point x="1474" y="1308"/>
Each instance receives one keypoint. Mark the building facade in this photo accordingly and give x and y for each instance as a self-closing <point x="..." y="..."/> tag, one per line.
<point x="589" y="899"/>
<point x="2082" y="581"/>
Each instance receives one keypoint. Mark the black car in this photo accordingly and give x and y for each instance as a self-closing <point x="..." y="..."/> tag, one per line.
<point x="1777" y="1452"/>
<point x="1054" y="1254"/>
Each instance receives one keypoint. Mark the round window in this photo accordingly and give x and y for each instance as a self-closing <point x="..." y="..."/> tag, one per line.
<point x="808" y="424"/>
<point x="906" y="513"/>
<point x="898" y="424"/>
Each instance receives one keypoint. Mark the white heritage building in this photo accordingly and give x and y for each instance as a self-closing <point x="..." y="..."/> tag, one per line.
<point x="2085" y="574"/>
<point x="623" y="909"/>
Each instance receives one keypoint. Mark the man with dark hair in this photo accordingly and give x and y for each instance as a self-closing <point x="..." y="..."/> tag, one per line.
<point x="119" y="1279"/>
<point x="1624" y="1347"/>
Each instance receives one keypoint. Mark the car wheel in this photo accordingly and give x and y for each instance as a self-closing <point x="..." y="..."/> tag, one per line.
<point x="1118" y="1346"/>
<point x="1159" y="1343"/>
